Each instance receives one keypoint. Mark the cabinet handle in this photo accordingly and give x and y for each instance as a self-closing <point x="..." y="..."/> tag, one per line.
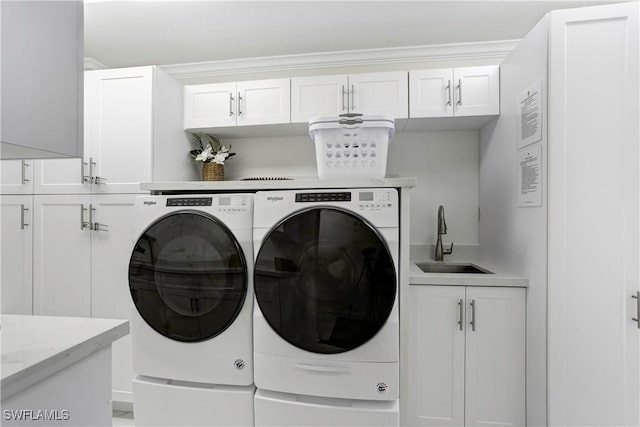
<point x="460" y="314"/>
<point x="637" y="298"/>
<point x="343" y="94"/>
<point x="25" y="165"/>
<point x="83" y="223"/>
<point x="85" y="178"/>
<point x="459" y="92"/>
<point x="473" y="315"/>
<point x="96" y="226"/>
<point x="448" y="88"/>
<point x="239" y="104"/>
<point x="353" y="98"/>
<point x="95" y="179"/>
<point x="230" y="104"/>
<point x="22" y="217"/>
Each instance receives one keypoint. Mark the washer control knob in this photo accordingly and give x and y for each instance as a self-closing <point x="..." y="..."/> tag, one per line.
<point x="239" y="364"/>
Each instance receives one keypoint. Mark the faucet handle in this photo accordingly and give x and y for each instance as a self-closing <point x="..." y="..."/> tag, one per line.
<point x="448" y="251"/>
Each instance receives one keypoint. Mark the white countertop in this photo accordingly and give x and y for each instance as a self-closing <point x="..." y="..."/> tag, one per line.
<point x="461" y="255"/>
<point x="34" y="347"/>
<point x="289" y="184"/>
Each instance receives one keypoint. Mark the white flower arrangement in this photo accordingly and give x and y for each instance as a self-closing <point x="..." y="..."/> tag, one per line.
<point x="210" y="150"/>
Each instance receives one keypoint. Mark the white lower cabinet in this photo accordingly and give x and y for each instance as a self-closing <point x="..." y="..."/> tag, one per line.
<point x="82" y="245"/>
<point x="466" y="356"/>
<point x="16" y="253"/>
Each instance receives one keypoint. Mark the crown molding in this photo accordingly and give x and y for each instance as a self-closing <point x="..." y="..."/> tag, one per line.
<point x="92" y="64"/>
<point x="445" y="52"/>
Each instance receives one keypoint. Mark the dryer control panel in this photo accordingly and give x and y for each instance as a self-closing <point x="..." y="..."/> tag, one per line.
<point x="232" y="204"/>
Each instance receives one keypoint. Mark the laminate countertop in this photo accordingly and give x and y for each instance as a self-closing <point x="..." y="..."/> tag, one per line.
<point x="35" y="347"/>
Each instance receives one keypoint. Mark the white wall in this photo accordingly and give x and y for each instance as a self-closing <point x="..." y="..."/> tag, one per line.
<point x="445" y="163"/>
<point x="511" y="236"/>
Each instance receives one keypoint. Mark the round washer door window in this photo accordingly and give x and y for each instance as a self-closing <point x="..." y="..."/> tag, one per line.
<point x="324" y="280"/>
<point x="188" y="276"/>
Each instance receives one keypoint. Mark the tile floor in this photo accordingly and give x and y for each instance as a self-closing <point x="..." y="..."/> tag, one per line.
<point x="122" y="419"/>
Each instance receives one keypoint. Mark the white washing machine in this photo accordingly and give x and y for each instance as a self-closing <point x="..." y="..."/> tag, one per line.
<point x="326" y="285"/>
<point x="190" y="277"/>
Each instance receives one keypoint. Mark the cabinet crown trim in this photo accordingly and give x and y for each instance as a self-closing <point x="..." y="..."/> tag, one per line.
<point x="431" y="53"/>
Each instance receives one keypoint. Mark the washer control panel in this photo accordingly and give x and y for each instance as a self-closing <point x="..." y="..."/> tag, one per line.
<point x="374" y="200"/>
<point x="232" y="204"/>
<point x="189" y="201"/>
<point x="344" y="196"/>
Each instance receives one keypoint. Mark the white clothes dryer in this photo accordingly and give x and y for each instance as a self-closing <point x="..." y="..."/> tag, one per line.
<point x="326" y="286"/>
<point x="190" y="277"/>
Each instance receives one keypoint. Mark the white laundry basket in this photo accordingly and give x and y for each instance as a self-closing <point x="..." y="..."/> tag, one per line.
<point x="351" y="145"/>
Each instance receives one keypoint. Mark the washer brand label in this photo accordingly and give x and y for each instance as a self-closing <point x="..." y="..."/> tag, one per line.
<point x="275" y="198"/>
<point x="150" y="202"/>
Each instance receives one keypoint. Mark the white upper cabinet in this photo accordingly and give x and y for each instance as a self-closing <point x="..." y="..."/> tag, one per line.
<point x="133" y="133"/>
<point x="318" y="96"/>
<point x="380" y="93"/>
<point x="370" y="93"/>
<point x="258" y="102"/>
<point x="459" y="92"/>
<point x="41" y="79"/>
<point x="16" y="176"/>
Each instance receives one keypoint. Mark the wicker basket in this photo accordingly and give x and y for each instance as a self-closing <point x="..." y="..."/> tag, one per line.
<point x="212" y="172"/>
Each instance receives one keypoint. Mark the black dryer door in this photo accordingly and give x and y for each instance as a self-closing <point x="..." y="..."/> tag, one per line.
<point x="188" y="276"/>
<point x="325" y="280"/>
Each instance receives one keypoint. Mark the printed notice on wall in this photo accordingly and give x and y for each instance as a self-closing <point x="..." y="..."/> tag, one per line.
<point x="529" y="115"/>
<point x="530" y="176"/>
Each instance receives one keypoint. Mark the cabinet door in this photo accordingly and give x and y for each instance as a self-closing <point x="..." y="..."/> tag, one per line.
<point x="61" y="176"/>
<point x="16" y="176"/>
<point x="594" y="345"/>
<point x="111" y="245"/>
<point x="436" y="356"/>
<point x="16" y="241"/>
<point x="380" y="93"/>
<point x="477" y="91"/>
<point x="263" y="102"/>
<point x="318" y="96"/>
<point x="210" y="105"/>
<point x="61" y="256"/>
<point x="495" y="357"/>
<point x="119" y="128"/>
<point x="42" y="59"/>
<point x="431" y="93"/>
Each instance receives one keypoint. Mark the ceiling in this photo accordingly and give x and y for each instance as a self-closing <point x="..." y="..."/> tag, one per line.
<point x="131" y="33"/>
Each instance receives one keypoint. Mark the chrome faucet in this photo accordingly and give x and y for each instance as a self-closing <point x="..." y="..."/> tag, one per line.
<point x="442" y="229"/>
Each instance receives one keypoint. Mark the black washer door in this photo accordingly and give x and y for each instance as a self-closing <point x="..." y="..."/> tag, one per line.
<point x="188" y="276"/>
<point x="325" y="280"/>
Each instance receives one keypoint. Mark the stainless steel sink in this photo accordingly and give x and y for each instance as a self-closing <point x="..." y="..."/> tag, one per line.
<point x="436" y="267"/>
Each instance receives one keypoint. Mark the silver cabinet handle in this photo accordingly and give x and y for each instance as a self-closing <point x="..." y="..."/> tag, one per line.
<point x="473" y="315"/>
<point x="83" y="169"/>
<point x="239" y="104"/>
<point x="448" y="88"/>
<point x="230" y="104"/>
<point x="343" y="94"/>
<point x="25" y="165"/>
<point x="95" y="179"/>
<point x="83" y="223"/>
<point x="353" y="98"/>
<point x="460" y="314"/>
<point x="22" y="217"/>
<point x="96" y="226"/>
<point x="637" y="298"/>
<point x="459" y="92"/>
